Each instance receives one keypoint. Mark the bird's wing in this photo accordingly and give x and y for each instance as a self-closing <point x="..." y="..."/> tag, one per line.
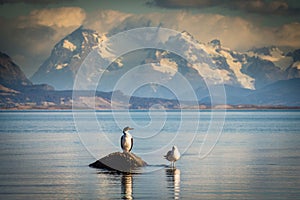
<point x="122" y="142"/>
<point x="131" y="144"/>
<point x="169" y="153"/>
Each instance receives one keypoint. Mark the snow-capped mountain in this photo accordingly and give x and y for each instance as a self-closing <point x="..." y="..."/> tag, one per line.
<point x="208" y="63"/>
<point x="16" y="91"/>
<point x="60" y="68"/>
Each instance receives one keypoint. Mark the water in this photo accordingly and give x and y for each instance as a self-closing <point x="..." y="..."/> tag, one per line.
<point x="257" y="155"/>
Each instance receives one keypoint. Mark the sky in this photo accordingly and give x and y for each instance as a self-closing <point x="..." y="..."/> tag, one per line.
<point x="31" y="28"/>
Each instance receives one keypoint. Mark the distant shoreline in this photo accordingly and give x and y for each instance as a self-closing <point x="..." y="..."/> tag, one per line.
<point x="217" y="107"/>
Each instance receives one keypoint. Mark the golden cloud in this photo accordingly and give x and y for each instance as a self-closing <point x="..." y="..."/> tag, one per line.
<point x="289" y="35"/>
<point x="62" y="17"/>
<point x="234" y="32"/>
<point x="104" y="20"/>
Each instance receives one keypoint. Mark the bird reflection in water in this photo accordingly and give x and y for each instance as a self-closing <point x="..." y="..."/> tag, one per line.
<point x="173" y="180"/>
<point x="126" y="186"/>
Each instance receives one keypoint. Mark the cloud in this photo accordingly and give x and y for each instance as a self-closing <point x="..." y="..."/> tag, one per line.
<point x="234" y="32"/>
<point x="104" y="20"/>
<point x="29" y="39"/>
<point x="59" y="17"/>
<point x="288" y="35"/>
<point x="28" y="46"/>
<point x="182" y="4"/>
<point x="40" y="2"/>
<point x="262" y="7"/>
<point x="137" y="21"/>
<point x="277" y="7"/>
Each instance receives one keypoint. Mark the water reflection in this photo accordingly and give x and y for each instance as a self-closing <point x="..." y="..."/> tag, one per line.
<point x="173" y="180"/>
<point x="126" y="186"/>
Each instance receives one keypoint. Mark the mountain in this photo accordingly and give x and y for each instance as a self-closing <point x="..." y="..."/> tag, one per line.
<point x="276" y="95"/>
<point x="294" y="69"/>
<point x="14" y="86"/>
<point x="17" y="92"/>
<point x="284" y="93"/>
<point x="61" y="67"/>
<point x="209" y="64"/>
<point x="11" y="76"/>
<point x="233" y="95"/>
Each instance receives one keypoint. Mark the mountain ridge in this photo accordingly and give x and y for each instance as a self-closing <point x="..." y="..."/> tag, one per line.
<point x="61" y="66"/>
<point x="11" y="74"/>
<point x="253" y="69"/>
<point x="278" y="84"/>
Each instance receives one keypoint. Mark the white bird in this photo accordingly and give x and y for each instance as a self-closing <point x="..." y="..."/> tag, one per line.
<point x="173" y="155"/>
<point x="126" y="140"/>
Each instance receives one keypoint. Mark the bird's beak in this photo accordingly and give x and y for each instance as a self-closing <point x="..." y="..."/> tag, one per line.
<point x="131" y="128"/>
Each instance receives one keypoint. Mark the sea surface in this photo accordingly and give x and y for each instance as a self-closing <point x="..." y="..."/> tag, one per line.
<point x="234" y="154"/>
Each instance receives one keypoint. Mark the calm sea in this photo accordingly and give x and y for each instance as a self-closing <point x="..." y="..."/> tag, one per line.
<point x="225" y="155"/>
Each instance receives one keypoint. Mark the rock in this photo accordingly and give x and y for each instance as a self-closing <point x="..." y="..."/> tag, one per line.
<point x="121" y="162"/>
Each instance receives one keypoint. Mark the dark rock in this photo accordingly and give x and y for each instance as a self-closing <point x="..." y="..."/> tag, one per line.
<point x="121" y="162"/>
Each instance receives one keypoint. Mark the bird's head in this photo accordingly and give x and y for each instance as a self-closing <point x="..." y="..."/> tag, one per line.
<point x="174" y="147"/>
<point x="126" y="129"/>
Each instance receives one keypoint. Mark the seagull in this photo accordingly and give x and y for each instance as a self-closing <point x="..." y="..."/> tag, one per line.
<point x="126" y="140"/>
<point x="173" y="155"/>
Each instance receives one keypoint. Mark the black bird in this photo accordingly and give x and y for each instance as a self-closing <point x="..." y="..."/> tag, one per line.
<point x="126" y="140"/>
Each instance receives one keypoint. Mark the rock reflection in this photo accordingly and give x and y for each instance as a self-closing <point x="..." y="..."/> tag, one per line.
<point x="126" y="186"/>
<point x="173" y="180"/>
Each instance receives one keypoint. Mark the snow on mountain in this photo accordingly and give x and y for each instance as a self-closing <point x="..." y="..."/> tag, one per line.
<point x="60" y="68"/>
<point x="69" y="45"/>
<point x="166" y="66"/>
<point x="218" y="65"/>
<point x="231" y="59"/>
<point x="236" y="66"/>
<point x="293" y="70"/>
<point x="208" y="63"/>
<point x="274" y="55"/>
<point x="296" y="65"/>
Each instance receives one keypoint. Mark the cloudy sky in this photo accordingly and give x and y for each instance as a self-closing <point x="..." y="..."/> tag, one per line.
<point x="30" y="28"/>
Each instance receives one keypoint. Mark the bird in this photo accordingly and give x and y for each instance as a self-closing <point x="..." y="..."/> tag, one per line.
<point x="126" y="140"/>
<point x="173" y="155"/>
